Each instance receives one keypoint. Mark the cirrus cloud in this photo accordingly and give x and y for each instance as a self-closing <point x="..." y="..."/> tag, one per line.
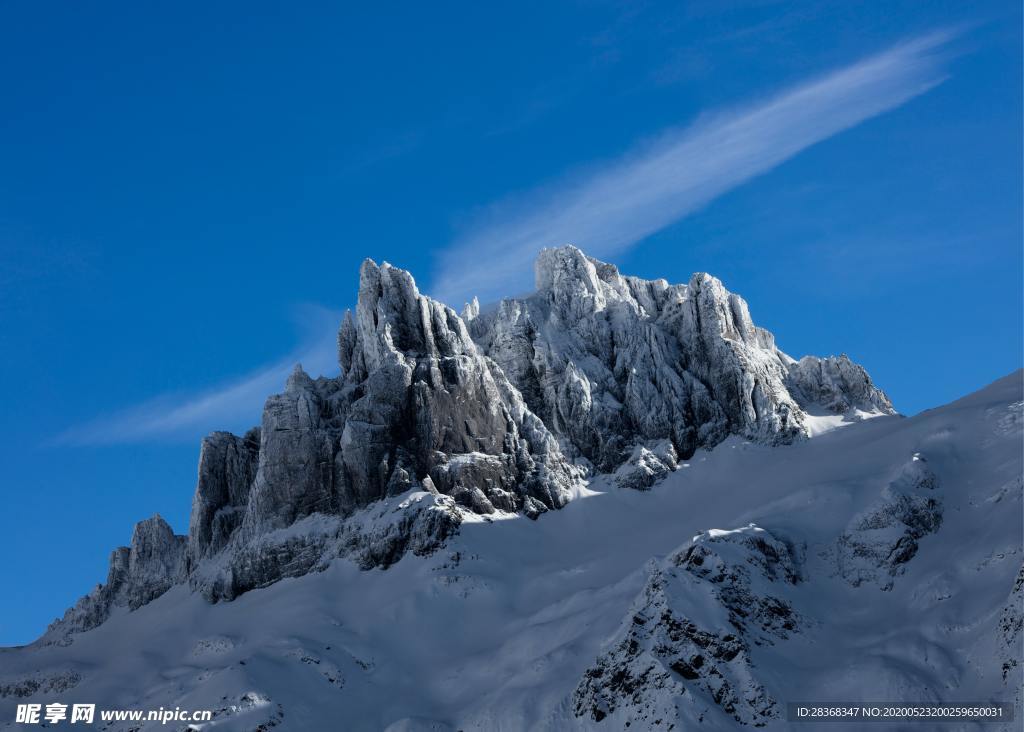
<point x="620" y="203"/>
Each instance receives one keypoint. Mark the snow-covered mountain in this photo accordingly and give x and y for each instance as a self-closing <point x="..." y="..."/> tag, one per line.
<point x="366" y="557"/>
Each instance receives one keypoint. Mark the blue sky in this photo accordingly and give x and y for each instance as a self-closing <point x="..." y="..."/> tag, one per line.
<point x="187" y="190"/>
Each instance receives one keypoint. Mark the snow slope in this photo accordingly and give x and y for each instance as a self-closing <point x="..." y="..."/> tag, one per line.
<point x="896" y="574"/>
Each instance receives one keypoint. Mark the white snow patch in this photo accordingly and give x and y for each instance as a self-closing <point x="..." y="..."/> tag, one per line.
<point x="820" y="423"/>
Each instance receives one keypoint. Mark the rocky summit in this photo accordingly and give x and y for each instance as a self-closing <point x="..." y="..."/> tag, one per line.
<point x="611" y="362"/>
<point x="437" y="417"/>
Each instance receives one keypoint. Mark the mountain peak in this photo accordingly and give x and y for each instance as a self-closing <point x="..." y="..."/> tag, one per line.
<point x="298" y="380"/>
<point x="502" y="412"/>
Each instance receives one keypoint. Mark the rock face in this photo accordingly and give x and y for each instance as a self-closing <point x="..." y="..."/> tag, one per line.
<point x="837" y="384"/>
<point x="140" y="572"/>
<point x="227" y="468"/>
<point x="430" y="404"/>
<point x="610" y="362"/>
<point x="504" y="411"/>
<point x="418" y="522"/>
<point x="683" y="652"/>
<point x="417" y="407"/>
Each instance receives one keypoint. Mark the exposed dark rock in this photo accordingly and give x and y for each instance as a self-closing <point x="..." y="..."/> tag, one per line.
<point x="878" y="543"/>
<point x="1011" y="625"/>
<point x="664" y="664"/>
<point x="227" y="468"/>
<point x="139" y="573"/>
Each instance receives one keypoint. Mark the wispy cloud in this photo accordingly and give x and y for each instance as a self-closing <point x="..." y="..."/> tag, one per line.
<point x="606" y="210"/>
<point x="616" y="205"/>
<point x="233" y="405"/>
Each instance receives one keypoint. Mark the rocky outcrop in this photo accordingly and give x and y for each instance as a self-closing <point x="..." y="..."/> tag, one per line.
<point x="295" y="475"/>
<point x="417" y="407"/>
<point x="417" y="522"/>
<point x="54" y="682"/>
<point x="648" y="464"/>
<point x="431" y="404"/>
<point x="227" y="468"/>
<point x="837" y="384"/>
<point x="152" y="563"/>
<point x="611" y="362"/>
<point x="1011" y="628"/>
<point x="878" y="542"/>
<point x="683" y="653"/>
<point x="505" y="411"/>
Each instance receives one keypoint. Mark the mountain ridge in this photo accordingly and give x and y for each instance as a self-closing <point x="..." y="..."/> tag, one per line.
<point x="509" y="411"/>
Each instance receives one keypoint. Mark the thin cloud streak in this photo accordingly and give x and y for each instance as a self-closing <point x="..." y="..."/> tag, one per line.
<point x="605" y="212"/>
<point x="235" y="405"/>
<point x="620" y="204"/>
